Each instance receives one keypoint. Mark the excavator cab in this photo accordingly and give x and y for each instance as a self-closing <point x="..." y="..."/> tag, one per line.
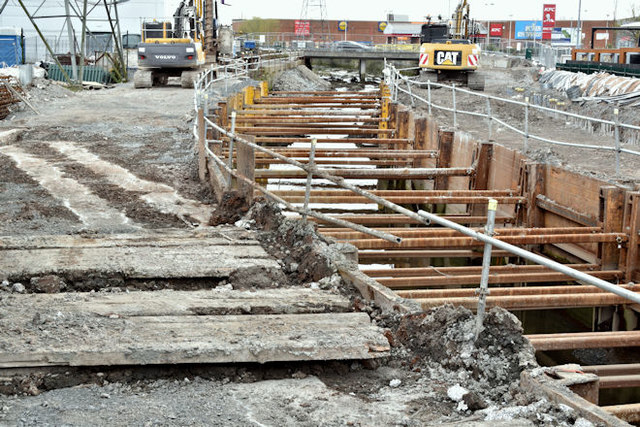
<point x="172" y="49"/>
<point x="449" y="53"/>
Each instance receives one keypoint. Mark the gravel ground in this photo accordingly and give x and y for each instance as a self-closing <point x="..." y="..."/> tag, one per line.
<point x="147" y="132"/>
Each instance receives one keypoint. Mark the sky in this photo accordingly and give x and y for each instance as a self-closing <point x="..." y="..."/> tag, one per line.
<point x="132" y="11"/>
<point x="417" y="10"/>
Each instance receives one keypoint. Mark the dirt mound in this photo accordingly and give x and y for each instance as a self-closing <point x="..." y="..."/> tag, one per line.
<point x="300" y="79"/>
<point x="232" y="207"/>
<point x="446" y="336"/>
<point x="305" y="254"/>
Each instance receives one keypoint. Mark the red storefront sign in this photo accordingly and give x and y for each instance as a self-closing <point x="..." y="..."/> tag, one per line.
<point x="548" y="20"/>
<point x="495" y="30"/>
<point x="302" y="28"/>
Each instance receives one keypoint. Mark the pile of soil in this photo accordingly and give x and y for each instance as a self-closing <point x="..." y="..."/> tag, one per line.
<point x="490" y="365"/>
<point x="300" y="79"/>
<point x="305" y="255"/>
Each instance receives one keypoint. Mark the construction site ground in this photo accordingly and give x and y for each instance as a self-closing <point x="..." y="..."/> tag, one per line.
<point x="122" y="162"/>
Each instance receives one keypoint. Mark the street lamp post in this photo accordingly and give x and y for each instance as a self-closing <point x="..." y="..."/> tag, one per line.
<point x="579" y="44"/>
<point x="510" y="33"/>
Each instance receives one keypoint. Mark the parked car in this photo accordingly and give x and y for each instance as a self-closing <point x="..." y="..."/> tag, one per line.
<point x="348" y="45"/>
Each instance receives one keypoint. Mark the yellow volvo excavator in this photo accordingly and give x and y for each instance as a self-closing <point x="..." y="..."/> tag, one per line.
<point x="173" y="49"/>
<point x="448" y="51"/>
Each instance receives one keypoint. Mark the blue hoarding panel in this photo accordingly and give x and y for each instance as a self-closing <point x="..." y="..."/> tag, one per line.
<point x="528" y="30"/>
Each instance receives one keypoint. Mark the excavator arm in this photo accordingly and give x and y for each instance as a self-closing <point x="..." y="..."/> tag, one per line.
<point x="461" y="24"/>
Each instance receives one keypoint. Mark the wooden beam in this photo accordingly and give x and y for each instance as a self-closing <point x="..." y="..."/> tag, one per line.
<point x="632" y="229"/>
<point x="612" y="219"/>
<point x="160" y="340"/>
<point x="445" y="152"/>
<point x="246" y="165"/>
<point x="544" y="203"/>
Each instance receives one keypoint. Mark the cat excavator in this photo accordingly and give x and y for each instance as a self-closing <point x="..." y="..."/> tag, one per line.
<point x="176" y="48"/>
<point x="448" y="51"/>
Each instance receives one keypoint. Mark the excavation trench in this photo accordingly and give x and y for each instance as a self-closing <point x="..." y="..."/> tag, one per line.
<point x="349" y="350"/>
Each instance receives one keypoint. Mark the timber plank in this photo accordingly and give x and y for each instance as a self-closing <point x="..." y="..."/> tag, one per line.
<point x="199" y="339"/>
<point x="178" y="303"/>
<point x="168" y="237"/>
<point x="186" y="255"/>
<point x="196" y="261"/>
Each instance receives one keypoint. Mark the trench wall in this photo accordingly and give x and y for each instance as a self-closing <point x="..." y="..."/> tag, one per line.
<point x="555" y="197"/>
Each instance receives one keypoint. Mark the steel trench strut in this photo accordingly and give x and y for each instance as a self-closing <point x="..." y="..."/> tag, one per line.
<point x="556" y="266"/>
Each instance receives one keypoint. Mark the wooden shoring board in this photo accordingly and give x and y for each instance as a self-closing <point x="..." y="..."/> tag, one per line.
<point x="178" y="303"/>
<point x="149" y="340"/>
<point x="179" y="255"/>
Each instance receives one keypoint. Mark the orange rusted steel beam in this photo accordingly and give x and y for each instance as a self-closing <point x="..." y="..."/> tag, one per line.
<point x="371" y="95"/>
<point x="351" y="153"/>
<point x="384" y="141"/>
<point x="510" y="231"/>
<point x="408" y="198"/>
<point x="320" y="161"/>
<point x="310" y="130"/>
<point x="301" y="112"/>
<point x="356" y="152"/>
<point x="442" y="271"/>
<point x="334" y="106"/>
<point x="470" y="242"/>
<point x="316" y="100"/>
<point x="324" y="92"/>
<point x="430" y="232"/>
<point x="294" y="100"/>
<point x="620" y="381"/>
<point x="385" y="193"/>
<point x="530" y="302"/>
<point x="274" y="125"/>
<point x="572" y="341"/>
<point x="494" y="279"/>
<point x="507" y="291"/>
<point x="286" y="120"/>
<point x="616" y="369"/>
<point x="383" y="219"/>
<point x="629" y="412"/>
<point x="426" y="253"/>
<point x="397" y="173"/>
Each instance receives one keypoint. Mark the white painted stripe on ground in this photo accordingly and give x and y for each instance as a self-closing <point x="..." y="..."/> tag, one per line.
<point x="93" y="211"/>
<point x="161" y="197"/>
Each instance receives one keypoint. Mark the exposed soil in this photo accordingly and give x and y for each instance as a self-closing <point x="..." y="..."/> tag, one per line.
<point x="147" y="132"/>
<point x="300" y="79"/>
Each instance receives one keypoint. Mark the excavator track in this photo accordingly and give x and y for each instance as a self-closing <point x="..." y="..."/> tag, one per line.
<point x="188" y="78"/>
<point x="143" y="79"/>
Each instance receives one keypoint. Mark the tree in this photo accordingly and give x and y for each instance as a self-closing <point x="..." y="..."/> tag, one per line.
<point x="259" y="25"/>
<point x="635" y="19"/>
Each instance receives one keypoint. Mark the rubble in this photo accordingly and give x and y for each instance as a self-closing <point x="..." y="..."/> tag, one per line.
<point x="300" y="79"/>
